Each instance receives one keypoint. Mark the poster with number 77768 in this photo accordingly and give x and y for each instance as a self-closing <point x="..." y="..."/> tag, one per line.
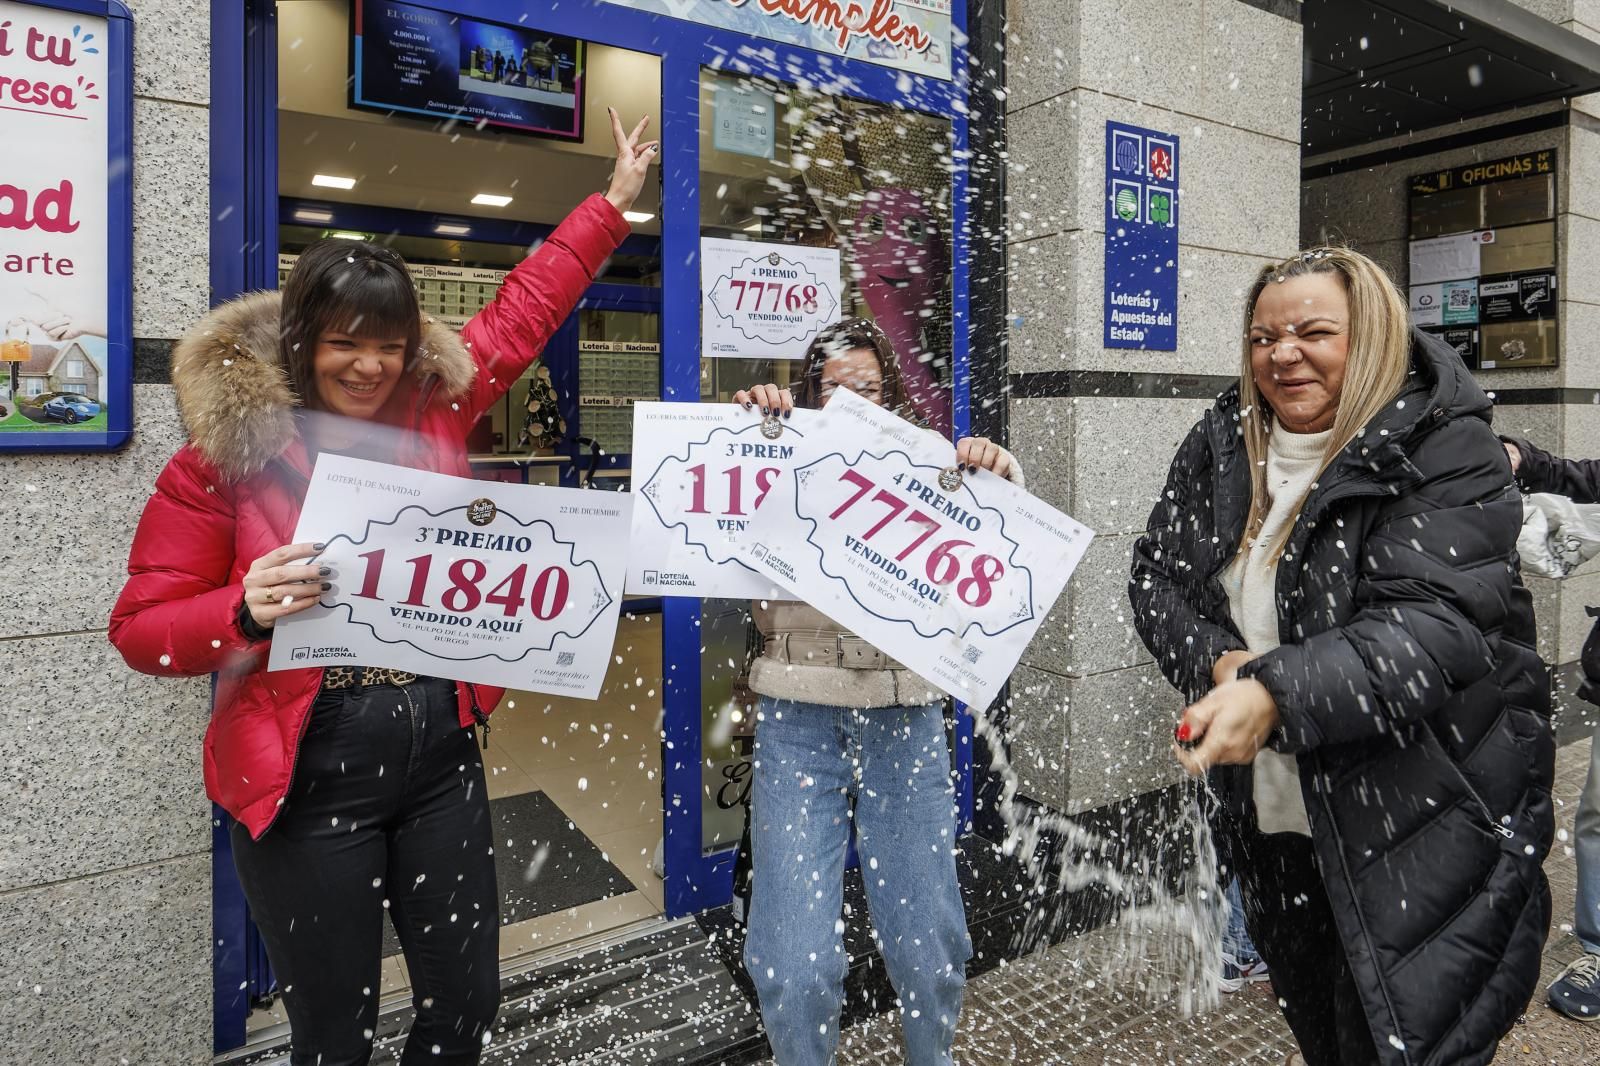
<point x="949" y="573"/>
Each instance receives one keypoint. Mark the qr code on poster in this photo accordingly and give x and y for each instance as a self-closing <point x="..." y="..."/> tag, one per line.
<point x="973" y="653"/>
<point x="565" y="658"/>
<point x="1460" y="299"/>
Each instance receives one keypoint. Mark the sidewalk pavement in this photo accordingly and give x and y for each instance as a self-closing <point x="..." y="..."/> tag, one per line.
<point x="1038" y="1011"/>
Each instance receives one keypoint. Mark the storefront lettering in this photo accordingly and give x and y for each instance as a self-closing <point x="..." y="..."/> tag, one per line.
<point x="39" y="92"/>
<point x="879" y="22"/>
<point x="57" y="50"/>
<point x="1504" y="168"/>
<point x="49" y="210"/>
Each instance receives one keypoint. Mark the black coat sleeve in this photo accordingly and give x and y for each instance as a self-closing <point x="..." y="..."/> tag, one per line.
<point x="1435" y="579"/>
<point x="1166" y="585"/>
<point x="1542" y="472"/>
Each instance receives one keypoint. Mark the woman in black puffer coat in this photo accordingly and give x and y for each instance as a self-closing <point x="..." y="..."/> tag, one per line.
<point x="1368" y="621"/>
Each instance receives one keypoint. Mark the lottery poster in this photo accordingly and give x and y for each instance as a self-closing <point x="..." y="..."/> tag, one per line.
<point x="703" y="471"/>
<point x="950" y="573"/>
<point x="516" y="586"/>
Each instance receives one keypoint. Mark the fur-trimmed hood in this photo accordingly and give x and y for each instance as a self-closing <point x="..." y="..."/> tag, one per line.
<point x="234" y="394"/>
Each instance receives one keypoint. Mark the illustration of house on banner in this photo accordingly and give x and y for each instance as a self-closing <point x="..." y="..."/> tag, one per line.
<point x="67" y="367"/>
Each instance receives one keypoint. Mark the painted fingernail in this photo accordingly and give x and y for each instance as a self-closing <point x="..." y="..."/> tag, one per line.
<point x="788" y="413"/>
<point x="326" y="585"/>
<point x="765" y="411"/>
<point x="324" y="570"/>
<point x="320" y="545"/>
<point x="1183" y="732"/>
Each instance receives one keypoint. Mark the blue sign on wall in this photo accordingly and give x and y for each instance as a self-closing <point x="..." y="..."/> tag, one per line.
<point x="1141" y="285"/>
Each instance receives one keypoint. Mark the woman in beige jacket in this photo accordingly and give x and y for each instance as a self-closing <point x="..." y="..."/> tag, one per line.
<point x="848" y="737"/>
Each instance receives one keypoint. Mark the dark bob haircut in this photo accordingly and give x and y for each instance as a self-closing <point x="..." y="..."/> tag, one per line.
<point x="345" y="286"/>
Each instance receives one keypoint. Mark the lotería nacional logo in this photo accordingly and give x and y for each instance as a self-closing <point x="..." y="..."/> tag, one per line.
<point x="481" y="512"/>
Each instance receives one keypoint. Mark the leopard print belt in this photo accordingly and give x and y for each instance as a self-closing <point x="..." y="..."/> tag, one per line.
<point x="337" y="677"/>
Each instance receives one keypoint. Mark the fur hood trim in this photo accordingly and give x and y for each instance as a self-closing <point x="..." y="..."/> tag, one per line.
<point x="234" y="394"/>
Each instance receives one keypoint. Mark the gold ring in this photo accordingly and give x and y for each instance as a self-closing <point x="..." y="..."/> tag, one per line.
<point x="270" y="597"/>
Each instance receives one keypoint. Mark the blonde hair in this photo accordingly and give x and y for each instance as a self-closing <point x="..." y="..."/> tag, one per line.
<point x="1379" y="359"/>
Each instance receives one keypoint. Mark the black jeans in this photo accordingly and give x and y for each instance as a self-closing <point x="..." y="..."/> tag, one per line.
<point x="1287" y="913"/>
<point x="387" y="810"/>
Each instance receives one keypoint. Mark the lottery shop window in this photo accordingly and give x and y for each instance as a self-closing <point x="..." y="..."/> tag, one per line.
<point x="787" y="163"/>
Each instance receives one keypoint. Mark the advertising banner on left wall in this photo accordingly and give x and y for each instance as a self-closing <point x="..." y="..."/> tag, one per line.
<point x="65" y="229"/>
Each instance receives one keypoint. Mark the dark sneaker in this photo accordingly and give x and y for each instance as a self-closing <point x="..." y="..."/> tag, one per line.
<point x="1236" y="974"/>
<point x="1576" y="993"/>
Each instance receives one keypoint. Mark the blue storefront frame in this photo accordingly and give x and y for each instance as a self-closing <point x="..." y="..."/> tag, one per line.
<point x="243" y="244"/>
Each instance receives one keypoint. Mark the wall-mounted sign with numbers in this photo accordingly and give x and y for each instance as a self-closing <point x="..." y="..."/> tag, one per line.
<point x="1141" y="219"/>
<point x="1483" y="259"/>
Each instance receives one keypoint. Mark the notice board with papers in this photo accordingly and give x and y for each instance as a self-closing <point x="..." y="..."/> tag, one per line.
<point x="1483" y="258"/>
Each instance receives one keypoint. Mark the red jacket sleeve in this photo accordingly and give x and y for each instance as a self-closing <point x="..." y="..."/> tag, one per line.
<point x="178" y="613"/>
<point x="508" y="335"/>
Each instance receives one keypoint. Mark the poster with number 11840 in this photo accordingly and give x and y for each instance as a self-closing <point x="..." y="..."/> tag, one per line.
<point x="951" y="573"/>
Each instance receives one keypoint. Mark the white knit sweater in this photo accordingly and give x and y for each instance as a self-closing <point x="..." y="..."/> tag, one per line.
<point x="1292" y="462"/>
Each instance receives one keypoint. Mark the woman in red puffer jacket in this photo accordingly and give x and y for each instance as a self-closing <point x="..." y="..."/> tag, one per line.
<point x="354" y="790"/>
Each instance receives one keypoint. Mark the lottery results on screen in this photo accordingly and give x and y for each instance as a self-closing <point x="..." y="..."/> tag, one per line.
<point x="704" y="469"/>
<point x="516" y="586"/>
<point x="950" y="573"/>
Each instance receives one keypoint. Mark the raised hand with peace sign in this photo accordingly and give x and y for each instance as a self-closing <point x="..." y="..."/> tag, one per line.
<point x="633" y="161"/>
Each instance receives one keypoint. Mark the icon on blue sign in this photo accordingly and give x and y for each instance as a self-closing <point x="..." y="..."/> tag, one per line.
<point x="1163" y="160"/>
<point x="1127" y="153"/>
<point x="1158" y="206"/>
<point x="1125" y="200"/>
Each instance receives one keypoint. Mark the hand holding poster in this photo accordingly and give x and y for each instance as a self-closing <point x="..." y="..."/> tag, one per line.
<point x="706" y="468"/>
<point x="516" y="586"/>
<point x="950" y="574"/>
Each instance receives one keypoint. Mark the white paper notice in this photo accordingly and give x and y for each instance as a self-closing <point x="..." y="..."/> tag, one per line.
<point x="704" y="468"/>
<point x="1427" y="305"/>
<point x="1447" y="258"/>
<point x="764" y="301"/>
<point x="516" y="586"/>
<point x="951" y="577"/>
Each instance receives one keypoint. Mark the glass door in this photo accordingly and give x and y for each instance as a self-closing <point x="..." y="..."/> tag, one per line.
<point x="781" y="159"/>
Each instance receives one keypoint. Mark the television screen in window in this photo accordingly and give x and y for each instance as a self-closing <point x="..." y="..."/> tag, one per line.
<point x="415" y="60"/>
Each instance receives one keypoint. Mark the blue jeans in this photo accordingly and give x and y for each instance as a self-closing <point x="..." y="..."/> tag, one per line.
<point x="811" y="761"/>
<point x="1586" y="843"/>
<point x="1236" y="940"/>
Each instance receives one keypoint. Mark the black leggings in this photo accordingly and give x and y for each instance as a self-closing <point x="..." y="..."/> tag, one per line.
<point x="1287" y="913"/>
<point x="387" y="809"/>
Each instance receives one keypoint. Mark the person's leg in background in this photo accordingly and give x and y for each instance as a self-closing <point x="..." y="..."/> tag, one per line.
<point x="1291" y="922"/>
<point x="1241" y="962"/>
<point x="906" y="830"/>
<point x="800" y="826"/>
<point x="1576" y="992"/>
<point x="440" y="884"/>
